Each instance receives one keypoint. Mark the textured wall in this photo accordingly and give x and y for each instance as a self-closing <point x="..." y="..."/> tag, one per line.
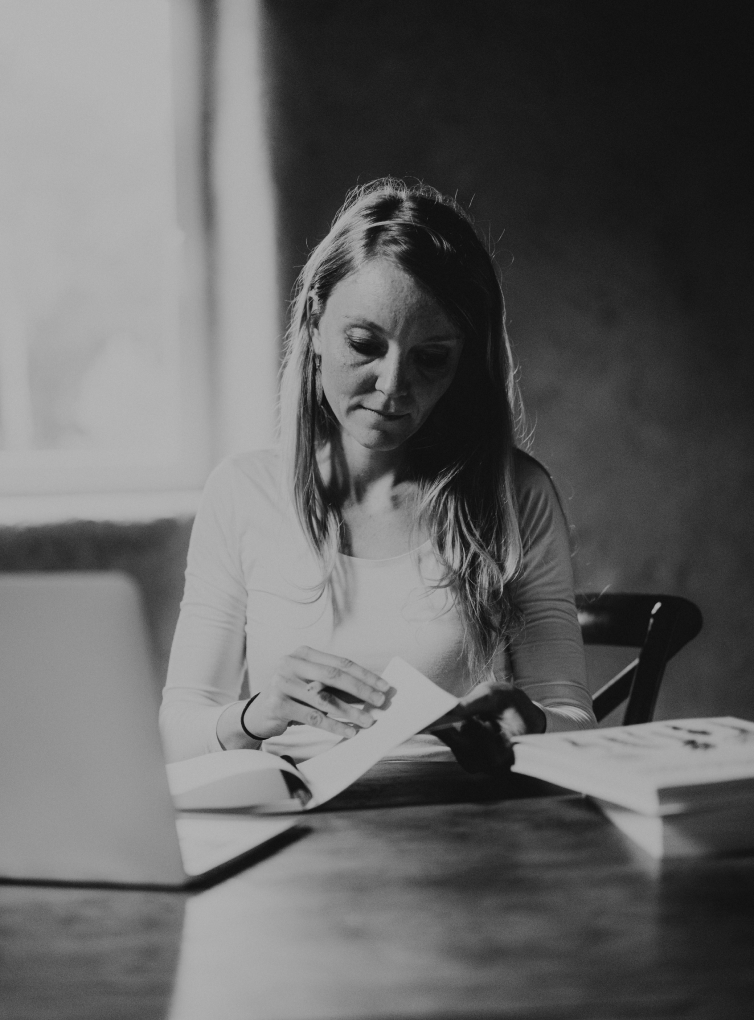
<point x="601" y="147"/>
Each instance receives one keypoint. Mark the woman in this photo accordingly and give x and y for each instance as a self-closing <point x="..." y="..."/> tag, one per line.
<point x="398" y="518"/>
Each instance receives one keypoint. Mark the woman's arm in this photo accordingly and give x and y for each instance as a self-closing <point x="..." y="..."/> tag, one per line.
<point x="201" y="709"/>
<point x="547" y="654"/>
<point x="206" y="665"/>
<point x="549" y="690"/>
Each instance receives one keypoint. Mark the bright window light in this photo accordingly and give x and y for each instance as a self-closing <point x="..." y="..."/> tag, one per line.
<point x="100" y="389"/>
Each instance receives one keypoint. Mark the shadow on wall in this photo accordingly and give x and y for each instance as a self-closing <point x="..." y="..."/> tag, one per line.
<point x="153" y="553"/>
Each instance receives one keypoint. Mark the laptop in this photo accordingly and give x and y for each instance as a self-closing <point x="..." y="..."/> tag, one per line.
<point x="83" y="790"/>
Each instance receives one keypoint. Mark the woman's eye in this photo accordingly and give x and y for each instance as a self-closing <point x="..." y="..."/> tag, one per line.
<point x="365" y="347"/>
<point x="433" y="359"/>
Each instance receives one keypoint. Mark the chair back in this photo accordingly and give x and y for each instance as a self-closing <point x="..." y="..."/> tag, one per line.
<point x="658" y="625"/>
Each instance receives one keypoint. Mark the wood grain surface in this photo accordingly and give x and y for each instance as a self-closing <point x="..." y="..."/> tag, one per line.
<point x="420" y="892"/>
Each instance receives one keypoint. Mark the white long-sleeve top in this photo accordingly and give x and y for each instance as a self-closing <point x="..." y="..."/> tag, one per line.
<point x="251" y="598"/>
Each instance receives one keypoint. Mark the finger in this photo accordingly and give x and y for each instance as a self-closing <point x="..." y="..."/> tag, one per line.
<point x="512" y="723"/>
<point x="309" y="716"/>
<point x="348" y="665"/>
<point x="341" y="708"/>
<point x="313" y="695"/>
<point x="333" y="671"/>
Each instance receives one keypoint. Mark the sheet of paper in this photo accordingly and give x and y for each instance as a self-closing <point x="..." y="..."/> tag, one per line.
<point x="416" y="703"/>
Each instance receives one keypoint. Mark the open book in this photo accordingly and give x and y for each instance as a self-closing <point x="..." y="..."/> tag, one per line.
<point x="655" y="768"/>
<point x="242" y="779"/>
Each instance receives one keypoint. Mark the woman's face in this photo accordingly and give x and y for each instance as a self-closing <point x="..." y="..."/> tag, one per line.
<point x="388" y="353"/>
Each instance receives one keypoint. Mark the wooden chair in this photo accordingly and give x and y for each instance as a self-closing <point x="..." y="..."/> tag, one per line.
<point x="658" y="625"/>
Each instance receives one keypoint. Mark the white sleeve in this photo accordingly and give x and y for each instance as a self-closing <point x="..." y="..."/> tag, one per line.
<point x="547" y="654"/>
<point x="207" y="657"/>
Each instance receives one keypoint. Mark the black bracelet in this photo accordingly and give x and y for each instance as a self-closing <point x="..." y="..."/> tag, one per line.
<point x="243" y="724"/>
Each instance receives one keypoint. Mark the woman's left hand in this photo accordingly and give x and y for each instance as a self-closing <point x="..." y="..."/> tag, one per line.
<point x="479" y="729"/>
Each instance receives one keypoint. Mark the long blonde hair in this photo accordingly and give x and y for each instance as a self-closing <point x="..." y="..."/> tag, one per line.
<point x="462" y="457"/>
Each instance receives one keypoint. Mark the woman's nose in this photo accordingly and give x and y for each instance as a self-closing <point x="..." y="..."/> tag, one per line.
<point x="393" y="377"/>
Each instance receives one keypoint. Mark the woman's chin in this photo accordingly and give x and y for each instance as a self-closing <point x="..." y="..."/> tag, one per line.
<point x="381" y="443"/>
<point x="379" y="440"/>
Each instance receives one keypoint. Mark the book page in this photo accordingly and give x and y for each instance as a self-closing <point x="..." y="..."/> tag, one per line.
<point x="416" y="703"/>
<point x="229" y="779"/>
<point x="660" y="755"/>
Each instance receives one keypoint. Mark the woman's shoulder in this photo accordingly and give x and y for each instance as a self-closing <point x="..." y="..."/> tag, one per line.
<point x="530" y="476"/>
<point x="536" y="493"/>
<point x="252" y="476"/>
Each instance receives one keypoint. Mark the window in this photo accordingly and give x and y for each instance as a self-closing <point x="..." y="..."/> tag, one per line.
<point x="113" y="374"/>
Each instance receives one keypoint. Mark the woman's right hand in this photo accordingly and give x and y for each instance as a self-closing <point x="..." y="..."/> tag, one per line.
<point x="296" y="695"/>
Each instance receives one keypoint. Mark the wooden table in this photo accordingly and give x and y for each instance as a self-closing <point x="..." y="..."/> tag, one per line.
<point x="421" y="892"/>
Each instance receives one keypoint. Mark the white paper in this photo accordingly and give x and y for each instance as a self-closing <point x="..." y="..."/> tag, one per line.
<point x="228" y="779"/>
<point x="416" y="703"/>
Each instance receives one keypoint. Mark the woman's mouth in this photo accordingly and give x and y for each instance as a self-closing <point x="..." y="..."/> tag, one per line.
<point x="386" y="415"/>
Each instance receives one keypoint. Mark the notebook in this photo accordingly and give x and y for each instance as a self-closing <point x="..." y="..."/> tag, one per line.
<point x="83" y="791"/>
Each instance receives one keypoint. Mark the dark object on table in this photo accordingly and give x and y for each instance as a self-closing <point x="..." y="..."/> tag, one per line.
<point x="479" y="745"/>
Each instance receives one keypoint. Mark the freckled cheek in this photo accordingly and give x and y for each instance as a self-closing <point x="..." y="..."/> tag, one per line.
<point x="342" y="380"/>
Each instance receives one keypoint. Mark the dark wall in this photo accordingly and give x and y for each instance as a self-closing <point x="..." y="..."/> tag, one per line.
<point x="153" y="553"/>
<point x="600" y="146"/>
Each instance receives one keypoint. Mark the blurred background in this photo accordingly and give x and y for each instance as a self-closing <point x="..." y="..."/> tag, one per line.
<point x="167" y="164"/>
